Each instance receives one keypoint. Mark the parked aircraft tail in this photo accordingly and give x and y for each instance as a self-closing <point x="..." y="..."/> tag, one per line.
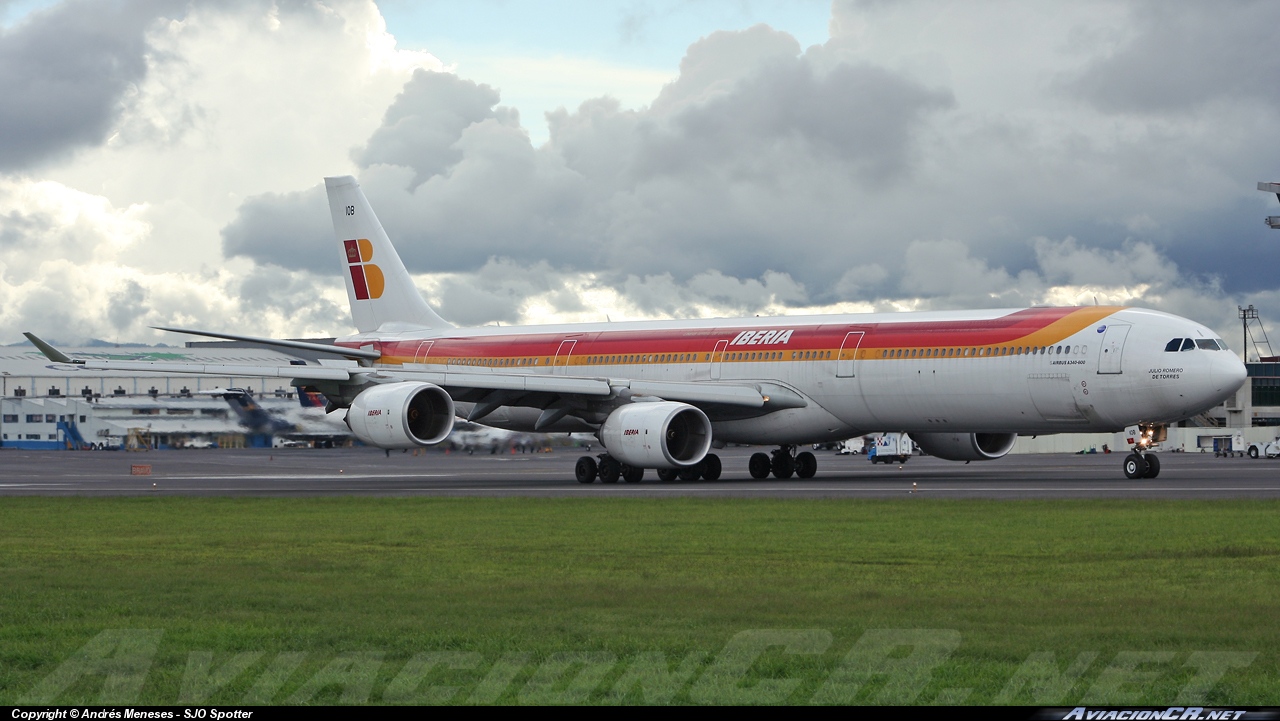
<point x="310" y="397"/>
<point x="380" y="290"/>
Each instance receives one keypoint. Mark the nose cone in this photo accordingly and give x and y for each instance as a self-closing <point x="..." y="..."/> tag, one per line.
<point x="1229" y="373"/>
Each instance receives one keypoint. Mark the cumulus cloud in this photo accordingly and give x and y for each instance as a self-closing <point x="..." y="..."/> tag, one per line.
<point x="205" y="105"/>
<point x="126" y="304"/>
<point x="896" y="166"/>
<point x="291" y="228"/>
<point x="926" y="156"/>
<point x="749" y="145"/>
<point x="426" y="120"/>
<point x="1183" y="57"/>
<point x="64" y="74"/>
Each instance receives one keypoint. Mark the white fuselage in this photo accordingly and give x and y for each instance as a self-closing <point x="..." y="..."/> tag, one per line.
<point x="1040" y="370"/>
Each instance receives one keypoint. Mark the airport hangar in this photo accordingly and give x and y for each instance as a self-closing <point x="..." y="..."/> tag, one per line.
<point x="47" y="405"/>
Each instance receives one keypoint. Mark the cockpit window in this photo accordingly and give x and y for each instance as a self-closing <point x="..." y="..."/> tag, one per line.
<point x="1188" y="344"/>
<point x="1206" y="344"/>
<point x="1222" y="344"/>
<point x="1173" y="345"/>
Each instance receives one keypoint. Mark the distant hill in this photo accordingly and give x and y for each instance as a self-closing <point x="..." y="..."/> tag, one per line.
<point x="94" y="343"/>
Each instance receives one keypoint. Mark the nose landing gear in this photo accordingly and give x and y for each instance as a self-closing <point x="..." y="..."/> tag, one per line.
<point x="1143" y="437"/>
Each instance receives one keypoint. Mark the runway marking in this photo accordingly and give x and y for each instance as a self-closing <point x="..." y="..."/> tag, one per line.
<point x="303" y="476"/>
<point x="685" y="489"/>
<point x="32" y="485"/>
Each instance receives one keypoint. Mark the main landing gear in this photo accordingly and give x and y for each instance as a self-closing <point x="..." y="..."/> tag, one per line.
<point x="609" y="470"/>
<point x="1141" y="465"/>
<point x="783" y="462"/>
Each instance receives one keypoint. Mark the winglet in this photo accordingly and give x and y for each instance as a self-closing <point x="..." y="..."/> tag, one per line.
<point x="49" y="351"/>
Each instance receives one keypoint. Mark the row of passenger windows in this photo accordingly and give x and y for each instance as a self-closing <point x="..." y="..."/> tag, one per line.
<point x="660" y="358"/>
<point x="495" y="362"/>
<point x="973" y="352"/>
<point x="1181" y="344"/>
<point x="648" y="358"/>
<point x="813" y="355"/>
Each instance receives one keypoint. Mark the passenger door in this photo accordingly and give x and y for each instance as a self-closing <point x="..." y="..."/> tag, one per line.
<point x="424" y="350"/>
<point x="563" y="353"/>
<point x="1112" y="352"/>
<point x="717" y="358"/>
<point x="848" y="354"/>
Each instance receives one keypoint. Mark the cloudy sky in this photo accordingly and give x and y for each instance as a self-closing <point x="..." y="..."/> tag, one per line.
<point x="161" y="161"/>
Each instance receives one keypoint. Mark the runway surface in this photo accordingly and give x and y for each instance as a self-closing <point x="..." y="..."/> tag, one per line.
<point x="370" y="472"/>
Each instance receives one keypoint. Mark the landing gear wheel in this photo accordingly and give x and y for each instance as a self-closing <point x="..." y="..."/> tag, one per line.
<point x="609" y="470"/>
<point x="1153" y="465"/>
<point x="759" y="465"/>
<point x="631" y="474"/>
<point x="691" y="473"/>
<point x="666" y="475"/>
<point x="586" y="469"/>
<point x="806" y="465"/>
<point x="783" y="466"/>
<point x="712" y="468"/>
<point x="1134" y="466"/>
<point x="784" y="462"/>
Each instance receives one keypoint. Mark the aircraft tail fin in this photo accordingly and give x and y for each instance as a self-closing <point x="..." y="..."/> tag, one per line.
<point x="311" y="397"/>
<point x="380" y="290"/>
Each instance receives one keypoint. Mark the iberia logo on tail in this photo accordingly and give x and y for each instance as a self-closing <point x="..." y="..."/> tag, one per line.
<point x="366" y="277"/>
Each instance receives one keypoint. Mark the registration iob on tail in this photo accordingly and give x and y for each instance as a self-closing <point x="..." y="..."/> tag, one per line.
<point x="664" y="394"/>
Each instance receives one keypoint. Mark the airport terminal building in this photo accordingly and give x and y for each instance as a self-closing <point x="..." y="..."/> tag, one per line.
<point x="48" y="405"/>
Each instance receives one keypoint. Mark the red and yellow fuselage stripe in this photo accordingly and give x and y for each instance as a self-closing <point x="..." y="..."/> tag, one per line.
<point x="1033" y="327"/>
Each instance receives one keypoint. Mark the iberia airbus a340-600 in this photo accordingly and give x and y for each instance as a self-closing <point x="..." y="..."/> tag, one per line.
<point x="664" y="394"/>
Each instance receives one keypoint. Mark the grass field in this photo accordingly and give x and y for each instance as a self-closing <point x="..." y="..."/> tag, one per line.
<point x="165" y="600"/>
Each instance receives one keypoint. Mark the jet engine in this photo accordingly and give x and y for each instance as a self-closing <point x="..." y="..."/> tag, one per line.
<point x="401" y="415"/>
<point x="966" y="446"/>
<point x="661" y="434"/>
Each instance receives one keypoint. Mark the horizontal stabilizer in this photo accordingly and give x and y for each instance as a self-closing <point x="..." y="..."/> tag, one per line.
<point x="295" y="344"/>
<point x="315" y="373"/>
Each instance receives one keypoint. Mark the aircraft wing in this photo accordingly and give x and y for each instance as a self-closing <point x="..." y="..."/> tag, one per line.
<point x="701" y="392"/>
<point x="763" y="395"/>
<point x="463" y="380"/>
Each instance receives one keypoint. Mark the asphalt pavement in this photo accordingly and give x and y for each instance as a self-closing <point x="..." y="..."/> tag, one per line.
<point x="371" y="472"/>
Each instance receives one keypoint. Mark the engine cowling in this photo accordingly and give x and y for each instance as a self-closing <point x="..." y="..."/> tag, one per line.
<point x="966" y="446"/>
<point x="662" y="434"/>
<point x="401" y="415"/>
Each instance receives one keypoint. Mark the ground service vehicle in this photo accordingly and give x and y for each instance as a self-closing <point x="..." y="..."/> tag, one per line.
<point x="890" y="448"/>
<point x="1267" y="449"/>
